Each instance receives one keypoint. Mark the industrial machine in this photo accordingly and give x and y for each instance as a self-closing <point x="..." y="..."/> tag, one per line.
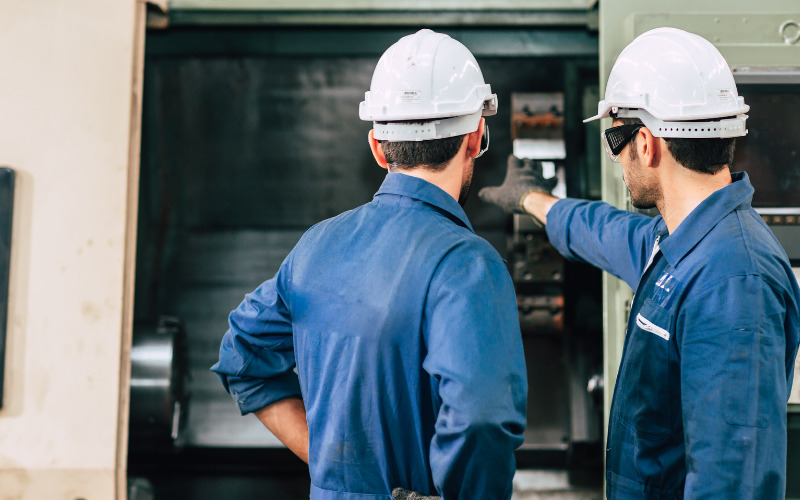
<point x="251" y="134"/>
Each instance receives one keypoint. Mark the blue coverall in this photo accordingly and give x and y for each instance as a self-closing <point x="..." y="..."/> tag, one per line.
<point x="403" y="325"/>
<point x="699" y="407"/>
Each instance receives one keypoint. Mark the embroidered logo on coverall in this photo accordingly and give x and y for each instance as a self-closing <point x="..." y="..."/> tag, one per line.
<point x="664" y="290"/>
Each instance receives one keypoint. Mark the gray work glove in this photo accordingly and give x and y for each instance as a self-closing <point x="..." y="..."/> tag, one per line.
<point x="522" y="177"/>
<point x="403" y="494"/>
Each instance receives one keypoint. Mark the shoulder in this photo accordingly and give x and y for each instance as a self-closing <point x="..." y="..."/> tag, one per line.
<point x="324" y="228"/>
<point x="472" y="259"/>
<point x="740" y="245"/>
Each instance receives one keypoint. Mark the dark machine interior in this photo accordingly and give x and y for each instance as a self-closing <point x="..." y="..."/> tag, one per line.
<point x="252" y="135"/>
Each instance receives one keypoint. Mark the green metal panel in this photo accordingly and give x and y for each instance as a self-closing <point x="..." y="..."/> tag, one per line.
<point x="765" y="33"/>
<point x="762" y="39"/>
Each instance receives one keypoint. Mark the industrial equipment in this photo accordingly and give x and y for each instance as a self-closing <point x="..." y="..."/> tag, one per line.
<point x="562" y="412"/>
<point x="159" y="401"/>
<point x="251" y="136"/>
<point x="770" y="153"/>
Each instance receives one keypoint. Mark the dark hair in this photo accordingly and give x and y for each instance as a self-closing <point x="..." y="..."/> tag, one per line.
<point x="707" y="156"/>
<point x="432" y="155"/>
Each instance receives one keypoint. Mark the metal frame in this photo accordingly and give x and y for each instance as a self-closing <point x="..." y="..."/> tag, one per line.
<point x="415" y="13"/>
<point x="6" y="217"/>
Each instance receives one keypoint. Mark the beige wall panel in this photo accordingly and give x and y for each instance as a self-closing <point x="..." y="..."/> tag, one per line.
<point x="65" y="102"/>
<point x="56" y="484"/>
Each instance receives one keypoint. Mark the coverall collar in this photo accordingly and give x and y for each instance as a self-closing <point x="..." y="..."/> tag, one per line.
<point x="704" y="217"/>
<point x="413" y="187"/>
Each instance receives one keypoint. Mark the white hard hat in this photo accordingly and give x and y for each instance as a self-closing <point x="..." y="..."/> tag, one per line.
<point x="678" y="84"/>
<point x="427" y="77"/>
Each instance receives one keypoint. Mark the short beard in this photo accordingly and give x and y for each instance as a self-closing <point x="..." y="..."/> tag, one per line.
<point x="646" y="198"/>
<point x="464" y="194"/>
<point x="645" y="202"/>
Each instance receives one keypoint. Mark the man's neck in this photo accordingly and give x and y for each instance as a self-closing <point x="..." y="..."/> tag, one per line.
<point x="683" y="190"/>
<point x="449" y="179"/>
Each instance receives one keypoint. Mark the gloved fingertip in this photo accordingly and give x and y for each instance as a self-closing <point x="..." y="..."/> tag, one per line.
<point x="513" y="162"/>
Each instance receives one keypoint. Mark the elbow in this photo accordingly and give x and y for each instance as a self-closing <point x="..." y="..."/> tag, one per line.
<point x="482" y="425"/>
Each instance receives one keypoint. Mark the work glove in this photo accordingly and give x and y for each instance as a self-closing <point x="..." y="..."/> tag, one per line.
<point x="403" y="494"/>
<point x="522" y="177"/>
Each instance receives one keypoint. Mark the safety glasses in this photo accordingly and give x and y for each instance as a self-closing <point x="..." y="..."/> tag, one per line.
<point x="484" y="140"/>
<point x="615" y="139"/>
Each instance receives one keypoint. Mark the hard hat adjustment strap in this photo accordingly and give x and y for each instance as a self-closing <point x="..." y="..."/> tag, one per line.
<point x="707" y="129"/>
<point x="440" y="128"/>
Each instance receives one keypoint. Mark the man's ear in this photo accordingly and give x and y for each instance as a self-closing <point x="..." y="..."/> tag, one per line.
<point x="377" y="150"/>
<point x="474" y="140"/>
<point x="649" y="147"/>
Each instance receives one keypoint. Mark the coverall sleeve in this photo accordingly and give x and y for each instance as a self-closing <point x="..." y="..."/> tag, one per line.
<point x="617" y="241"/>
<point x="256" y="358"/>
<point x="734" y="390"/>
<point x="476" y="360"/>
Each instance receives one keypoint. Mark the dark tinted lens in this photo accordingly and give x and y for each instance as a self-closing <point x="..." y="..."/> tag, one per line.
<point x="617" y="137"/>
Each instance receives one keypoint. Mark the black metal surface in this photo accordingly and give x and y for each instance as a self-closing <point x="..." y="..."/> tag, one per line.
<point x="328" y="41"/>
<point x="221" y="473"/>
<point x="6" y="216"/>
<point x="256" y="474"/>
<point x="793" y="455"/>
<point x="238" y="137"/>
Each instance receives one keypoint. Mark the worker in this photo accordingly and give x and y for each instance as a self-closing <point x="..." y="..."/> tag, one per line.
<point x="386" y="351"/>
<point x="699" y="406"/>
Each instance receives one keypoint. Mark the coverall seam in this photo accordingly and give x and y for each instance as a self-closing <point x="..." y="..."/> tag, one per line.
<point x="567" y="226"/>
<point x="692" y="294"/>
<point x="745" y="240"/>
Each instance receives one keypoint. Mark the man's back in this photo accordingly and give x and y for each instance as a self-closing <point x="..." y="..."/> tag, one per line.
<point x="408" y="350"/>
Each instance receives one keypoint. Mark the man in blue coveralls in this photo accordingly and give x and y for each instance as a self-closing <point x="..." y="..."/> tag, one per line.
<point x="401" y="322"/>
<point x="699" y="407"/>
